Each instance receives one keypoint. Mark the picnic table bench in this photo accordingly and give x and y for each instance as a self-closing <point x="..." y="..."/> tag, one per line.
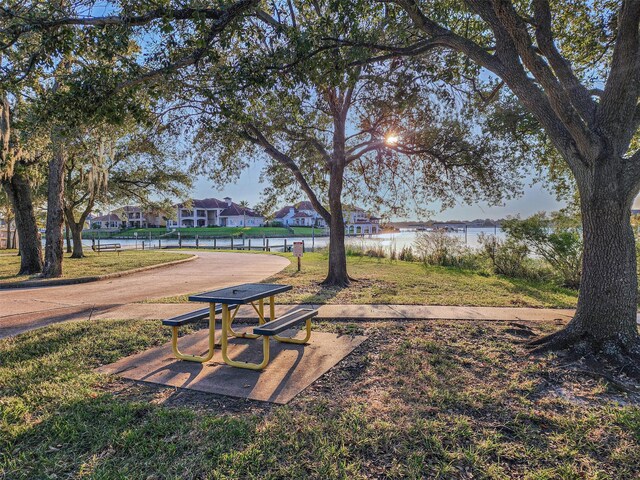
<point x="226" y="300"/>
<point x="107" y="247"/>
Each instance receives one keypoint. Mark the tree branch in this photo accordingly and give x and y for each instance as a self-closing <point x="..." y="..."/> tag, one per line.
<point x="259" y="139"/>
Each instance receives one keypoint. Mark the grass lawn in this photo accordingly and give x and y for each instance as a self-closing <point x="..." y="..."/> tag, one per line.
<point x="417" y="400"/>
<point x="93" y="264"/>
<point x="307" y="231"/>
<point x="381" y="281"/>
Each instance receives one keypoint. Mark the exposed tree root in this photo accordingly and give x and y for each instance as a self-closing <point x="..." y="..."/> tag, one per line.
<point x="332" y="282"/>
<point x="559" y="340"/>
<point x="616" y="363"/>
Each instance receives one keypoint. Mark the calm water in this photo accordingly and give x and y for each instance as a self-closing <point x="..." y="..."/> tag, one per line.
<point x="386" y="240"/>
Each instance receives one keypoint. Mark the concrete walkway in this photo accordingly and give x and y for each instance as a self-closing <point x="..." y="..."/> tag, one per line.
<point x="23" y="309"/>
<point x="150" y="311"/>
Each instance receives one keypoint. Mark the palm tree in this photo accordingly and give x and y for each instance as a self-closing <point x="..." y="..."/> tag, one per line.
<point x="244" y="204"/>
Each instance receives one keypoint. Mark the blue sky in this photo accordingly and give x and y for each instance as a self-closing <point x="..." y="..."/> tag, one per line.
<point x="535" y="199"/>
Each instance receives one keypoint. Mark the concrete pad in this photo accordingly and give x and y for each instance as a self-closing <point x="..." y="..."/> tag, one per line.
<point x="292" y="367"/>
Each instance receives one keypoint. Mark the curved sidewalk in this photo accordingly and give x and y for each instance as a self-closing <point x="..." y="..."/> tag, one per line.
<point x="23" y="309"/>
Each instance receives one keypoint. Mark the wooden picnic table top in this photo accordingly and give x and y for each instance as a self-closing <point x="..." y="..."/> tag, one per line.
<point x="240" y="294"/>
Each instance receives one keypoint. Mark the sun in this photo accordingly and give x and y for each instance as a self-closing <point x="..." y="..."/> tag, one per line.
<point x="391" y="139"/>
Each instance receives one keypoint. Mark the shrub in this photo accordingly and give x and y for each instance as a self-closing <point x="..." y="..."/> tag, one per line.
<point x="354" y="250"/>
<point x="438" y="248"/>
<point x="365" y="250"/>
<point x="511" y="258"/>
<point x="554" y="239"/>
<point x="406" y="254"/>
<point x="375" y="252"/>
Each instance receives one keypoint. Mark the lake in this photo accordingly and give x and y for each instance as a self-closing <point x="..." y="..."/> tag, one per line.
<point x="399" y="240"/>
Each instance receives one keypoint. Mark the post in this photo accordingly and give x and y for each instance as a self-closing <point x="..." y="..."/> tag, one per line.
<point x="285" y="245"/>
<point x="249" y="244"/>
<point x="159" y="243"/>
<point x="268" y="249"/>
<point x="313" y="237"/>
<point x="215" y="241"/>
<point x="298" y="251"/>
<point x="179" y="240"/>
<point x="232" y="242"/>
<point x="142" y="244"/>
<point x="197" y="242"/>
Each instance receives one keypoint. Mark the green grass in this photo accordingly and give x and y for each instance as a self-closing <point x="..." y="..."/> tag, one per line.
<point x="430" y="399"/>
<point x="306" y="231"/>
<point x="381" y="281"/>
<point x="93" y="264"/>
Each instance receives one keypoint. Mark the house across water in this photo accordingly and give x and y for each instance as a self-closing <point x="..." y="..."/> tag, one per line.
<point x="211" y="212"/>
<point x="357" y="220"/>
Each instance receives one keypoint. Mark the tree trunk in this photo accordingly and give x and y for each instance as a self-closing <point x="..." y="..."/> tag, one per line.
<point x="55" y="215"/>
<point x="605" y="319"/>
<point x="8" y="245"/>
<point x="76" y="232"/>
<point x="337" y="275"/>
<point x="30" y="247"/>
<point x="67" y="236"/>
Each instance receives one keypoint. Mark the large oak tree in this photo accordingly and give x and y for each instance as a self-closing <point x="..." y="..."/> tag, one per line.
<point x="576" y="68"/>
<point x="321" y="122"/>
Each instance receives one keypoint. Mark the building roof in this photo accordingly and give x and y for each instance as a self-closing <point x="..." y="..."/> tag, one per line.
<point x="131" y="208"/>
<point x="206" y="203"/>
<point x="284" y="211"/>
<point x="352" y="208"/>
<point x="112" y="217"/>
<point x="301" y="215"/>
<point x="236" y="210"/>
<point x="305" y="205"/>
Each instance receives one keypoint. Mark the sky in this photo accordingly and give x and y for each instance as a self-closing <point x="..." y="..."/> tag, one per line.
<point x="534" y="199"/>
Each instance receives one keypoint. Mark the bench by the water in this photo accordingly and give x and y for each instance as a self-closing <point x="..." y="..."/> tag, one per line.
<point x="107" y="247"/>
<point x="227" y="300"/>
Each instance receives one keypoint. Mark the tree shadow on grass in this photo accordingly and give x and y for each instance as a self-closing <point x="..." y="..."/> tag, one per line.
<point x="107" y="437"/>
<point x="545" y="293"/>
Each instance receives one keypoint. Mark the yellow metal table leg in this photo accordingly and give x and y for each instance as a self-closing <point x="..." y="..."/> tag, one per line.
<point x="212" y="340"/>
<point x="225" y="343"/>
<point x="232" y="332"/>
<point x="272" y="308"/>
<point x="261" y="319"/>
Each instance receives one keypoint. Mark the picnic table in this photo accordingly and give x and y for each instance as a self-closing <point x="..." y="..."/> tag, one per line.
<point x="226" y="301"/>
